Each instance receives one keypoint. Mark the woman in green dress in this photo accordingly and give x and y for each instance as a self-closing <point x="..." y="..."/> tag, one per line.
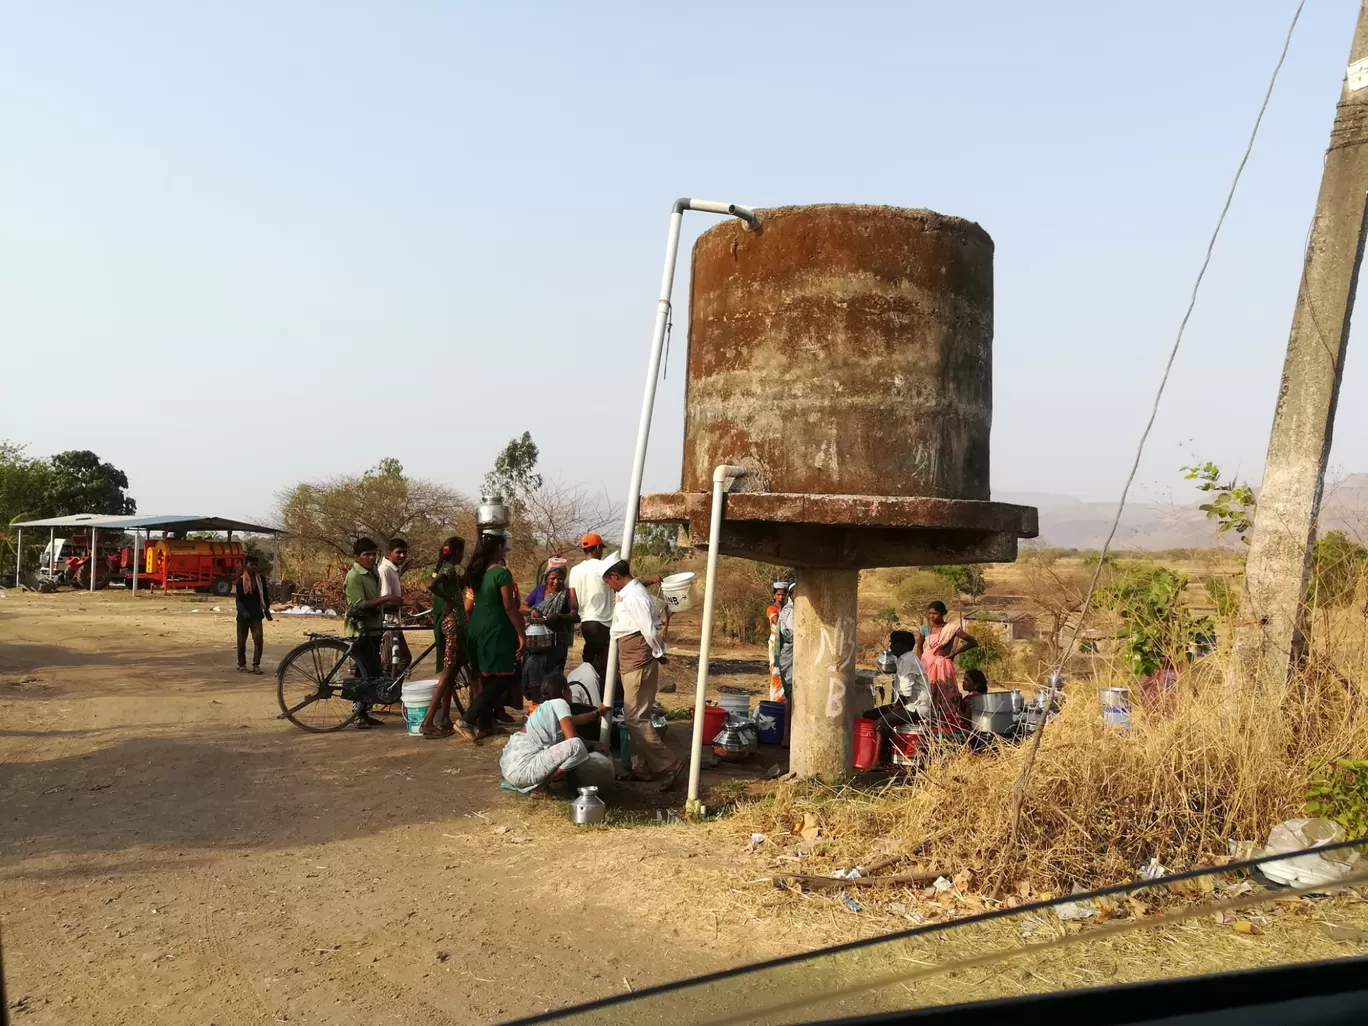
<point x="449" y="624"/>
<point x="496" y="634"/>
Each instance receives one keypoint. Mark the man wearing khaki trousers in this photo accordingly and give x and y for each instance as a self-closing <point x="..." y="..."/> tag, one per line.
<point x="641" y="650"/>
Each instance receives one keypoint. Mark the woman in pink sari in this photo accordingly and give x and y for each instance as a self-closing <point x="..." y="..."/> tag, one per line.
<point x="943" y="640"/>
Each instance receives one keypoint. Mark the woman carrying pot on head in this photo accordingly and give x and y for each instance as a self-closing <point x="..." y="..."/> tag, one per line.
<point x="496" y="634"/>
<point x="944" y="638"/>
<point x="451" y="626"/>
<point x="548" y="747"/>
<point x="554" y="609"/>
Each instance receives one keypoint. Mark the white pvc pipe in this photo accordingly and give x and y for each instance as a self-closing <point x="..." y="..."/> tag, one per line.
<point x="648" y="405"/>
<point x="52" y="554"/>
<point x="723" y="476"/>
<point x="94" y="555"/>
<point x="135" y="562"/>
<point x="18" y="554"/>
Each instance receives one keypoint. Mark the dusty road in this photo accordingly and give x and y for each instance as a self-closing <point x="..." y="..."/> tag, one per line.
<point x="173" y="853"/>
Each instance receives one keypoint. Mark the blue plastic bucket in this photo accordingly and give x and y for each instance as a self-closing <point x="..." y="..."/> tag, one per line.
<point x="769" y="717"/>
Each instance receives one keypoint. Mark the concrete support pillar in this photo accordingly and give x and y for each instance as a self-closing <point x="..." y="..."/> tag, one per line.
<point x="1270" y="642"/>
<point x="825" y="615"/>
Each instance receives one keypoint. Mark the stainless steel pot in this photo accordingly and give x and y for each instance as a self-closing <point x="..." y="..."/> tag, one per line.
<point x="731" y="745"/>
<point x="588" y="807"/>
<point x="492" y="513"/>
<point x="996" y="712"/>
<point x="747" y="729"/>
<point x="886" y="662"/>
<point x="540" y="636"/>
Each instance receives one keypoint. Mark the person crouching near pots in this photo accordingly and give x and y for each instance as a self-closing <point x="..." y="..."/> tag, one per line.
<point x="549" y="749"/>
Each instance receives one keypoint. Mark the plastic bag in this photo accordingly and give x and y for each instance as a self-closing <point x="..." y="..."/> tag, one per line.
<point x="1308" y="870"/>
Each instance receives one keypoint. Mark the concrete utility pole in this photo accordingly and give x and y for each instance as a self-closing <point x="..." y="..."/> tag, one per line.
<point x="1270" y="641"/>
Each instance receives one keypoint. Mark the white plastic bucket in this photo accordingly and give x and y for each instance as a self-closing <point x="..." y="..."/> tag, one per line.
<point x="416" y="696"/>
<point x="736" y="705"/>
<point x="677" y="590"/>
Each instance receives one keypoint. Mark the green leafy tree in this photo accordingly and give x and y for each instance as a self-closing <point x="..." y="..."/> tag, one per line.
<point x="967" y="580"/>
<point x="515" y="474"/>
<point x="83" y="483"/>
<point x="1232" y="503"/>
<point x="1157" y="628"/>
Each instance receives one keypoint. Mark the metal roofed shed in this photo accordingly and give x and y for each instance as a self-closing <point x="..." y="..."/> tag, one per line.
<point x="170" y="563"/>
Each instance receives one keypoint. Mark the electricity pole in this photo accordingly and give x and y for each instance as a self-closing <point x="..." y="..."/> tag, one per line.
<point x="1270" y="642"/>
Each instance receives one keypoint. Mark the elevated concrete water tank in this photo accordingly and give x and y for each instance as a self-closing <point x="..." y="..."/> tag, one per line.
<point x="843" y="355"/>
<point x="842" y="350"/>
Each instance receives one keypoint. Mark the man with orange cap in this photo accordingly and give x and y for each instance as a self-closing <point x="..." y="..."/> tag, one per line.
<point x="594" y="599"/>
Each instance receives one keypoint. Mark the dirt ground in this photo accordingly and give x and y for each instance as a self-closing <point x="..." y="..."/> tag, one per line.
<point x="174" y="853"/>
<point x="171" y="852"/>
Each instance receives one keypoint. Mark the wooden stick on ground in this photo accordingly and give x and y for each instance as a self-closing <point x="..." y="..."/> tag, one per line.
<point x="836" y="883"/>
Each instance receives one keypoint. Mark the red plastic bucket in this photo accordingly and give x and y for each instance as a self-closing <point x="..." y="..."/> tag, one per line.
<point x="905" y="744"/>
<point x="867" y="744"/>
<point x="714" y="719"/>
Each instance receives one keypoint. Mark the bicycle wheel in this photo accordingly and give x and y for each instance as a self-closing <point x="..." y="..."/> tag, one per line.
<point x="309" y="685"/>
<point x="461" y="693"/>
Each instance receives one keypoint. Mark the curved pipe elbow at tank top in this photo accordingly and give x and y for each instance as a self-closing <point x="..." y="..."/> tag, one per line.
<point x="724" y="474"/>
<point x="709" y="207"/>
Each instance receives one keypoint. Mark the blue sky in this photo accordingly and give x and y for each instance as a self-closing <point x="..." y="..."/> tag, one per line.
<point x="249" y="245"/>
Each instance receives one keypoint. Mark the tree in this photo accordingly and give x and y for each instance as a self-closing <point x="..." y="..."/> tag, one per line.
<point x="966" y="579"/>
<point x="1056" y="592"/>
<point x="1158" y="629"/>
<point x="81" y="483"/>
<point x="325" y="518"/>
<point x="515" y="474"/>
<point x="1232" y="503"/>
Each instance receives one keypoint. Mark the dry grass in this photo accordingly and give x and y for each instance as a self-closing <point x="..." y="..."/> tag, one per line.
<point x="1179" y="786"/>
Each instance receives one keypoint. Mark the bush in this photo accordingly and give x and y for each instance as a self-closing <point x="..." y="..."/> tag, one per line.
<point x="966" y="580"/>
<point x="1337" y="565"/>
<point x="1341" y="794"/>
<point x="914" y="591"/>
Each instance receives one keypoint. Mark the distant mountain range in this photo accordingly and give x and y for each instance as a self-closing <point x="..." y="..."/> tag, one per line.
<point x="1072" y="523"/>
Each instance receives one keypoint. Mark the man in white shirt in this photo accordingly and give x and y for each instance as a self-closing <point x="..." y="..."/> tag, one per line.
<point x="912" y="691"/>
<point x="641" y="650"/>
<point x="594" y="600"/>
<point x="392" y="588"/>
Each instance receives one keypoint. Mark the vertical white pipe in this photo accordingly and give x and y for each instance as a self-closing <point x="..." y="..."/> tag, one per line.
<point x="643" y="437"/>
<point x="648" y="404"/>
<point x="52" y="552"/>
<point x="94" y="554"/>
<point x="135" y="562"/>
<point x="722" y="478"/>
<point x="18" y="554"/>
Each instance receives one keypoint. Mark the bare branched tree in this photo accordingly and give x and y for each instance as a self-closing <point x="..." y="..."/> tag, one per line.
<point x="326" y="517"/>
<point x="1057" y="592"/>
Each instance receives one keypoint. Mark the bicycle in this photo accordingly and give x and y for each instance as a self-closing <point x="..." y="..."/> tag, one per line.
<point x="317" y="681"/>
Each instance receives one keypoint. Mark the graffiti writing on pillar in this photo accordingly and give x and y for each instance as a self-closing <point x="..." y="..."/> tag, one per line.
<point x="836" y="652"/>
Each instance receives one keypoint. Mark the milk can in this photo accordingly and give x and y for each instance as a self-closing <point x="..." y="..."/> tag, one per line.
<point x="588" y="807"/>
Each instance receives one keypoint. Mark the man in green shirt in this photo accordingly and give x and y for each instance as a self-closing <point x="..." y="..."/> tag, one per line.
<point x="365" y="619"/>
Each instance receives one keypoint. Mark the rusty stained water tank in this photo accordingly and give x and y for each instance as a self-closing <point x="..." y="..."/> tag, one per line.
<point x="842" y="350"/>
